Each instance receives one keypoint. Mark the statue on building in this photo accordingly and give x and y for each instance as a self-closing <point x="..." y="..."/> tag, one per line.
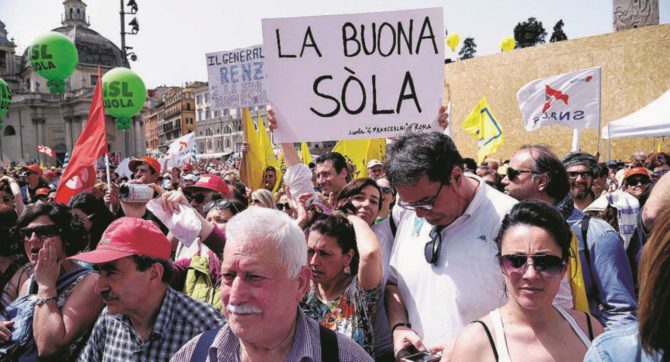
<point x="629" y="14"/>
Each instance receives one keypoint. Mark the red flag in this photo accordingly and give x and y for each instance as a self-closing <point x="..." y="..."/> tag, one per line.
<point x="46" y="150"/>
<point x="79" y="174"/>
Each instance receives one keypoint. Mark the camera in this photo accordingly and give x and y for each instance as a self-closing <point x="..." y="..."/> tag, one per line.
<point x="135" y="193"/>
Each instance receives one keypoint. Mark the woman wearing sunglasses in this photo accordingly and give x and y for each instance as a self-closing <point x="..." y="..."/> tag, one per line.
<point x="57" y="304"/>
<point x="533" y="246"/>
<point x="219" y="212"/>
<point x="262" y="198"/>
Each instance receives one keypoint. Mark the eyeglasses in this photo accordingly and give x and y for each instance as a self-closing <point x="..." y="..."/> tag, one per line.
<point x="256" y="201"/>
<point x="584" y="174"/>
<point x="513" y="174"/>
<point x="637" y="180"/>
<point x="282" y="206"/>
<point x="515" y="265"/>
<point x="42" y="232"/>
<point x="426" y="205"/>
<point x="431" y="251"/>
<point x="220" y="204"/>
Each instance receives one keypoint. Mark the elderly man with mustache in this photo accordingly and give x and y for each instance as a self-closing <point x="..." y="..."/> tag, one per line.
<point x="265" y="276"/>
<point x="145" y="319"/>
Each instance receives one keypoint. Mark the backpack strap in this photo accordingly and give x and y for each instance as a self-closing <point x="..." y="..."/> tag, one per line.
<point x="588" y="322"/>
<point x="394" y="227"/>
<point x="204" y="342"/>
<point x="587" y="253"/>
<point x="329" y="349"/>
<point x="488" y="334"/>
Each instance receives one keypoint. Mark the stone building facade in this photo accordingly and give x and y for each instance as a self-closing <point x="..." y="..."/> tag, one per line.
<point x="37" y="117"/>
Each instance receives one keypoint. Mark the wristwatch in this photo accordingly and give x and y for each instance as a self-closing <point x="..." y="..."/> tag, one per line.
<point x="41" y="300"/>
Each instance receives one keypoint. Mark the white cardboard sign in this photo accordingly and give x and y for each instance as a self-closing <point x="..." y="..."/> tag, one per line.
<point x="236" y="78"/>
<point x="355" y="76"/>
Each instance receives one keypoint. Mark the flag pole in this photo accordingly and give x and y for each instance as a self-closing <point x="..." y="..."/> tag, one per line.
<point x="600" y="108"/>
<point x="609" y="143"/>
<point x="575" y="140"/>
<point x="109" y="180"/>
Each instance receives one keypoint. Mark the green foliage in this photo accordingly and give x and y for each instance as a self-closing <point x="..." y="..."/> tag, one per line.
<point x="558" y="34"/>
<point x="529" y="33"/>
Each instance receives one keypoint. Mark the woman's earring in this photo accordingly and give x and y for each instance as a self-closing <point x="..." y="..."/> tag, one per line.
<point x="347" y="270"/>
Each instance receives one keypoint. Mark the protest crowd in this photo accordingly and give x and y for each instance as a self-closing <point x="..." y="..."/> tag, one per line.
<point x="529" y="258"/>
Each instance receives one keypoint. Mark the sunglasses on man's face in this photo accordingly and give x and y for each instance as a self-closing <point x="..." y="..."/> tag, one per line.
<point x="198" y="198"/>
<point x="42" y="232"/>
<point x="583" y="174"/>
<point x="513" y="174"/>
<point x="282" y="206"/>
<point x="515" y="265"/>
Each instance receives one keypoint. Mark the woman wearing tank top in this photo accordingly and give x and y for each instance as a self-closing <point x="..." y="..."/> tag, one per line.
<point x="533" y="246"/>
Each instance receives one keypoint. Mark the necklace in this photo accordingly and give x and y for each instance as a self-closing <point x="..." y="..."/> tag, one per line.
<point x="504" y="335"/>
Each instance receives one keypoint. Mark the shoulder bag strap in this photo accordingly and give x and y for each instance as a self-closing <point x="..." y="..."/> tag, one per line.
<point x="488" y="334"/>
<point x="329" y="349"/>
<point x="588" y="322"/>
<point x="204" y="342"/>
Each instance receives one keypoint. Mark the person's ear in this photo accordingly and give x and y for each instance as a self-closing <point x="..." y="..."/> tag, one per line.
<point x="456" y="174"/>
<point x="156" y="272"/>
<point x="304" y="278"/>
<point x="542" y="181"/>
<point x="348" y="257"/>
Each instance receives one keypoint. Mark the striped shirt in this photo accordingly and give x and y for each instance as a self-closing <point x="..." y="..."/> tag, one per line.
<point x="306" y="345"/>
<point x="180" y="318"/>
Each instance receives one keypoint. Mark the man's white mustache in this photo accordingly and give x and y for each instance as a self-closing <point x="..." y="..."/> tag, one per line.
<point x="243" y="309"/>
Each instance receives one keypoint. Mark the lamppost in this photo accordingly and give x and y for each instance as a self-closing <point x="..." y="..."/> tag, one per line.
<point x="135" y="28"/>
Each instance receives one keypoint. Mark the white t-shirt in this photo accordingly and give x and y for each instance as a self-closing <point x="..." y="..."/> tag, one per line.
<point x="466" y="283"/>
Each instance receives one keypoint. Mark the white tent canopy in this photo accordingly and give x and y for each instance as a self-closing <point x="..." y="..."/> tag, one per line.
<point x="653" y="120"/>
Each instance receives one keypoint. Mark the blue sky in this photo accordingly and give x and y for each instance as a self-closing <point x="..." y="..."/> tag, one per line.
<point x="175" y="35"/>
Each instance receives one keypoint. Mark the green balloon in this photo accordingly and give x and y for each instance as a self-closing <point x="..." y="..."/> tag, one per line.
<point x="5" y="99"/>
<point x="54" y="57"/>
<point x="124" y="94"/>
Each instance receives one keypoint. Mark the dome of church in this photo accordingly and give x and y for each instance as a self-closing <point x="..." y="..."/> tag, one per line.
<point x="93" y="48"/>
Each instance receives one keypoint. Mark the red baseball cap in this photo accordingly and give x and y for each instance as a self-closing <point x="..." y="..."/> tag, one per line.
<point x="210" y="182"/>
<point x="150" y="161"/>
<point x="51" y="173"/>
<point x="188" y="167"/>
<point x="34" y="168"/>
<point x="636" y="171"/>
<point x="125" y="237"/>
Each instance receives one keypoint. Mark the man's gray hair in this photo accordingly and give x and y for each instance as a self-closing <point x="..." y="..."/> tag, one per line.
<point x="257" y="224"/>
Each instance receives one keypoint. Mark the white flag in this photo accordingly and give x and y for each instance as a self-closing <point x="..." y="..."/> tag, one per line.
<point x="182" y="150"/>
<point x="568" y="100"/>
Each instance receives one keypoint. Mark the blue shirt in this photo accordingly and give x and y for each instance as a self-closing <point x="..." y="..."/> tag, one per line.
<point x="612" y="284"/>
<point x="620" y="344"/>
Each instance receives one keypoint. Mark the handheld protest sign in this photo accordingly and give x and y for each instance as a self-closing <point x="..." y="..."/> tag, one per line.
<point x="54" y="57"/>
<point x="5" y="99"/>
<point x="355" y="76"/>
<point x="124" y="94"/>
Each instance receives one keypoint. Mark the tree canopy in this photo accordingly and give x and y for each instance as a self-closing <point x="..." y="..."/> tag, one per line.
<point x="529" y="33"/>
<point x="468" y="49"/>
<point x="558" y="34"/>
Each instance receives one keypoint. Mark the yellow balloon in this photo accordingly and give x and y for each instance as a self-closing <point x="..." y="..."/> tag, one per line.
<point x="507" y="43"/>
<point x="453" y="40"/>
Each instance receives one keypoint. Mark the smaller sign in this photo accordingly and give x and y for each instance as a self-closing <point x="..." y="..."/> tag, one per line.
<point x="236" y="78"/>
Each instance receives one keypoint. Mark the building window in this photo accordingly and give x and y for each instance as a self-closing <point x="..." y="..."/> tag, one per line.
<point x="198" y="100"/>
<point x="209" y="145"/>
<point x="227" y="143"/>
<point x="199" y="115"/>
<point x="226" y="112"/>
<point x="94" y="79"/>
<point x="188" y="106"/>
<point x="216" y="114"/>
<point x="206" y="97"/>
<point x="9" y="131"/>
<point x="207" y="113"/>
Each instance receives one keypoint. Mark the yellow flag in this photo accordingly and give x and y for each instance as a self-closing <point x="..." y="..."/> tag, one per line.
<point x="483" y="125"/>
<point x="268" y="152"/>
<point x="253" y="161"/>
<point x="304" y="153"/>
<point x="359" y="152"/>
<point x="579" y="300"/>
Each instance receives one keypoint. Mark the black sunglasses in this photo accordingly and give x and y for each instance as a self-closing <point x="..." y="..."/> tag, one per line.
<point x="282" y="206"/>
<point x="431" y="251"/>
<point x="199" y="198"/>
<point x="42" y="232"/>
<point x="638" y="180"/>
<point x="584" y="174"/>
<point x="220" y="204"/>
<point x="515" y="265"/>
<point x="513" y="174"/>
